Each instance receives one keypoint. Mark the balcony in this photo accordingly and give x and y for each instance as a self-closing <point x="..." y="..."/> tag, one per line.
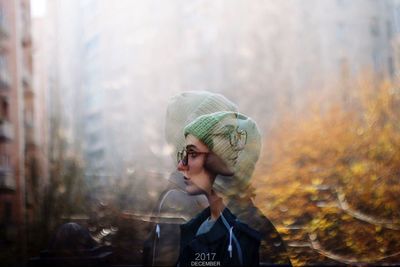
<point x="30" y="141"/>
<point x="4" y="31"/>
<point x="3" y="46"/>
<point x="4" y="43"/>
<point x="4" y="34"/>
<point x="7" y="179"/>
<point x="4" y="81"/>
<point x="6" y="131"/>
<point x="5" y="78"/>
<point x="26" y="38"/>
<point x="27" y="82"/>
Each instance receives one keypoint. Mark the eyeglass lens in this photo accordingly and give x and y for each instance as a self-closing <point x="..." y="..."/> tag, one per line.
<point x="182" y="156"/>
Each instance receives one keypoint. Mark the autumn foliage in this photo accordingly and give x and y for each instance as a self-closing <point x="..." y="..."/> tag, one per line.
<point x="329" y="178"/>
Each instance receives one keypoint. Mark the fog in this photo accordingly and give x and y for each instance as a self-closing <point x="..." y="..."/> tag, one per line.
<point x="109" y="69"/>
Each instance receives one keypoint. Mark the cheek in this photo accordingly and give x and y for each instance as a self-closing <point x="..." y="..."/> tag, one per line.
<point x="194" y="171"/>
<point x="202" y="177"/>
<point x="202" y="180"/>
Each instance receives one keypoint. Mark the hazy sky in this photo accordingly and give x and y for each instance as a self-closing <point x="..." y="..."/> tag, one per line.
<point x="38" y="8"/>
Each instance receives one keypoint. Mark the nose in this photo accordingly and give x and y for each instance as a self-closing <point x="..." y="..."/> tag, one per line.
<point x="181" y="167"/>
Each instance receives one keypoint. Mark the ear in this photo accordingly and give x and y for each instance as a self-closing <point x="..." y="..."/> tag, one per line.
<point x="216" y="165"/>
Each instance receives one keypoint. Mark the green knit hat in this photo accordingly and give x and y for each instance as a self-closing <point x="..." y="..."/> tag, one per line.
<point x="236" y="133"/>
<point x="185" y="107"/>
<point x="204" y="126"/>
<point x="219" y="131"/>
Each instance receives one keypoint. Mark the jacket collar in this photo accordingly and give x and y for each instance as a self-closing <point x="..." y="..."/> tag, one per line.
<point x="218" y="230"/>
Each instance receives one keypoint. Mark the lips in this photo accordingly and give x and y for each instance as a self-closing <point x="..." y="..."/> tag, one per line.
<point x="186" y="180"/>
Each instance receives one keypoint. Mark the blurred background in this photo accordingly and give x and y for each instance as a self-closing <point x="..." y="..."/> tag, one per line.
<point x="84" y="86"/>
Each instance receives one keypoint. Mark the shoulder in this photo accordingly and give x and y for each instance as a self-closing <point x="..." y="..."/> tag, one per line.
<point x="248" y="231"/>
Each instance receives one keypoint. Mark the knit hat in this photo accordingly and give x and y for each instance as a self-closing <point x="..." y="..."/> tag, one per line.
<point x="219" y="132"/>
<point x="234" y="138"/>
<point x="206" y="127"/>
<point x="187" y="106"/>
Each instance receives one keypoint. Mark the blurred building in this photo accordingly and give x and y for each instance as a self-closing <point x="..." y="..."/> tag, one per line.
<point x="354" y="36"/>
<point x="283" y="50"/>
<point x="102" y="74"/>
<point x="22" y="159"/>
<point x="396" y="37"/>
<point x="95" y="141"/>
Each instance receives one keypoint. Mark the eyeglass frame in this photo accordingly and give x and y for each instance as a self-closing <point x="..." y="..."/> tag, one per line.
<point x="183" y="155"/>
<point x="234" y="133"/>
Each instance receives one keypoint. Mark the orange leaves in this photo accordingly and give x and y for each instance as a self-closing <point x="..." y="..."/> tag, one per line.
<point x="335" y="173"/>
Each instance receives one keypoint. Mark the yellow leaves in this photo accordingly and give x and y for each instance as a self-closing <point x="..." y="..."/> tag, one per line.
<point x="283" y="230"/>
<point x="359" y="168"/>
<point x="346" y="217"/>
<point x="297" y="262"/>
<point x="374" y="177"/>
<point x="288" y="222"/>
<point x="349" y="242"/>
<point x="310" y="189"/>
<point x="360" y="131"/>
<point x="316" y="181"/>
<point x="332" y="234"/>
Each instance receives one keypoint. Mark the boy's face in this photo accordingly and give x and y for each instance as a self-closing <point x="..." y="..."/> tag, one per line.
<point x="226" y="153"/>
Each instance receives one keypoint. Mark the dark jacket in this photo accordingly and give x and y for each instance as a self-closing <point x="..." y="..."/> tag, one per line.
<point x="162" y="245"/>
<point x="272" y="249"/>
<point x="228" y="243"/>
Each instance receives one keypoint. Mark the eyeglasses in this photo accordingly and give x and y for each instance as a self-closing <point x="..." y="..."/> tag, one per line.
<point x="183" y="155"/>
<point x="237" y="137"/>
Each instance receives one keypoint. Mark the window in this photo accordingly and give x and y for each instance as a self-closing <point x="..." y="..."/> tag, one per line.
<point x="4" y="159"/>
<point x="7" y="212"/>
<point x="374" y="27"/>
<point x="397" y="19"/>
<point x="3" y="19"/>
<point x="341" y="2"/>
<point x="389" y="29"/>
<point x="4" y="75"/>
<point x="340" y="30"/>
<point x="391" y="66"/>
<point x="3" y="108"/>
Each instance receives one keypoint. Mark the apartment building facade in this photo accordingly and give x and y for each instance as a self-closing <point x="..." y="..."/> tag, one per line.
<point x="22" y="161"/>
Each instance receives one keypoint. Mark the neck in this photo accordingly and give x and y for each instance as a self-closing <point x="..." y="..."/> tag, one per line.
<point x="216" y="204"/>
